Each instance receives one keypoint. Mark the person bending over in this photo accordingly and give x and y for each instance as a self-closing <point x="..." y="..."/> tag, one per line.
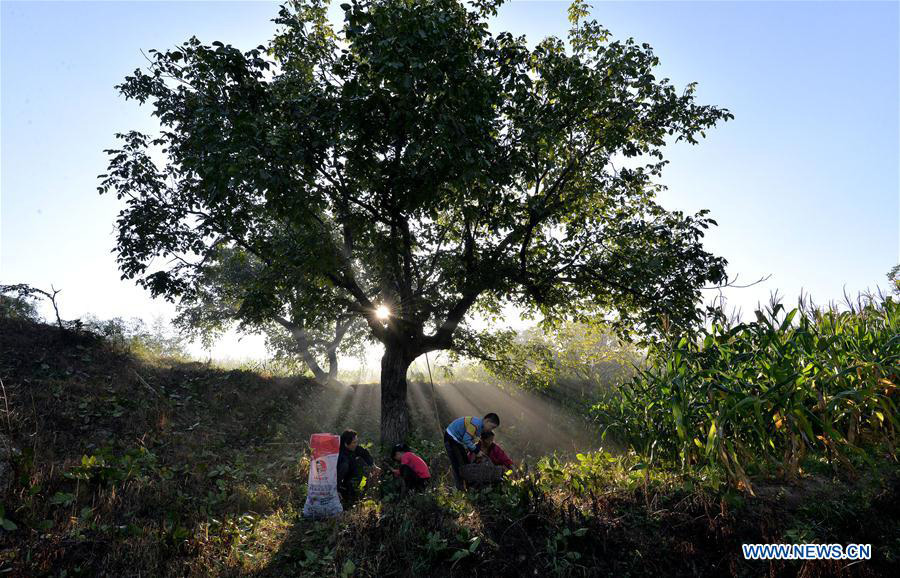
<point x="492" y="451"/>
<point x="413" y="470"/>
<point x="353" y="462"/>
<point x="460" y="438"/>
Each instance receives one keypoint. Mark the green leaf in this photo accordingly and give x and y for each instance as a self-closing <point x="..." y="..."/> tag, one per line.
<point x="711" y="438"/>
<point x="62" y="499"/>
<point x="787" y="320"/>
<point x="679" y="420"/>
<point x="475" y="543"/>
<point x="459" y="555"/>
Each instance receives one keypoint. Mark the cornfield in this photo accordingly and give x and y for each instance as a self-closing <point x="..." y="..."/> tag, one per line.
<point x="761" y="397"/>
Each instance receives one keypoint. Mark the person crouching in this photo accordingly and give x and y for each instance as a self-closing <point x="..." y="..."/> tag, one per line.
<point x="413" y="470"/>
<point x="461" y="436"/>
<point x="354" y="462"/>
<point x="491" y="450"/>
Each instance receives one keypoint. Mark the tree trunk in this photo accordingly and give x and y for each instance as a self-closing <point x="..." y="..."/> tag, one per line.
<point x="332" y="367"/>
<point x="340" y="330"/>
<point x="310" y="360"/>
<point x="299" y="335"/>
<point x="394" y="412"/>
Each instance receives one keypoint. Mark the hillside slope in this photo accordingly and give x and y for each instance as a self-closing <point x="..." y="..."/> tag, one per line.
<point x="113" y="465"/>
<point x="118" y="460"/>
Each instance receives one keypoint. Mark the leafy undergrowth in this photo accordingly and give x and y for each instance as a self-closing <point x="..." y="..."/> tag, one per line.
<point x="115" y="465"/>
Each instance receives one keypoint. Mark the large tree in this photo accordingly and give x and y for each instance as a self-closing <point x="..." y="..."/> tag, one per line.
<point x="412" y="159"/>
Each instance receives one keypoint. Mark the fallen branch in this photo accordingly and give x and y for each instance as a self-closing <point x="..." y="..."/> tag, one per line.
<point x="147" y="385"/>
<point x="6" y="403"/>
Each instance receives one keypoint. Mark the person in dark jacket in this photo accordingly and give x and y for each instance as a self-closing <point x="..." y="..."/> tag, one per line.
<point x="353" y="462"/>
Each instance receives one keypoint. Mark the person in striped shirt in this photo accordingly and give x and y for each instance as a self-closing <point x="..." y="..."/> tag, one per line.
<point x="461" y="437"/>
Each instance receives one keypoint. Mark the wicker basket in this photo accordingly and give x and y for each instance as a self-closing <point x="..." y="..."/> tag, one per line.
<point x="483" y="473"/>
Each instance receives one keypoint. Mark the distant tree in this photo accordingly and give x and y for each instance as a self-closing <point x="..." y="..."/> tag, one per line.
<point x="18" y="298"/>
<point x="159" y="339"/>
<point x="18" y="307"/>
<point x="894" y="277"/>
<point x="580" y="361"/>
<point x="312" y="325"/>
<point x="416" y="161"/>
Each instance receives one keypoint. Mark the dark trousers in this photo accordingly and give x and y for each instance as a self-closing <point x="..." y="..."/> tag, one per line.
<point x="458" y="456"/>
<point x="410" y="480"/>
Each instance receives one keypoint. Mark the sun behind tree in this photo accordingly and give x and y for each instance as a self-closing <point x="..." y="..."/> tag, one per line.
<point x="413" y="159"/>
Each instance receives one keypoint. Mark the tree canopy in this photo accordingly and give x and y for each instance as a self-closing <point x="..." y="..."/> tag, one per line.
<point x="414" y="159"/>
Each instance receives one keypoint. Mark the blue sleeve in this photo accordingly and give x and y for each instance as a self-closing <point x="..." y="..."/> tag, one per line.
<point x="453" y="429"/>
<point x="465" y="430"/>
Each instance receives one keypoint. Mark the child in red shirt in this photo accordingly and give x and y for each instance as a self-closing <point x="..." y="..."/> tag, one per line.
<point x="493" y="451"/>
<point x="413" y="470"/>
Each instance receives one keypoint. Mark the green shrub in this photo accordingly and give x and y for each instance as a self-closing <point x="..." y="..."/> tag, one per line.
<point x="762" y="394"/>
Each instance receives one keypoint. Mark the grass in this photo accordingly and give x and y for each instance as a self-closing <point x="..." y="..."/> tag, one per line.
<point x="123" y="465"/>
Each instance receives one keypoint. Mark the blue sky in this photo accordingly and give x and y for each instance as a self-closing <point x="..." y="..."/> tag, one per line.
<point x="804" y="182"/>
